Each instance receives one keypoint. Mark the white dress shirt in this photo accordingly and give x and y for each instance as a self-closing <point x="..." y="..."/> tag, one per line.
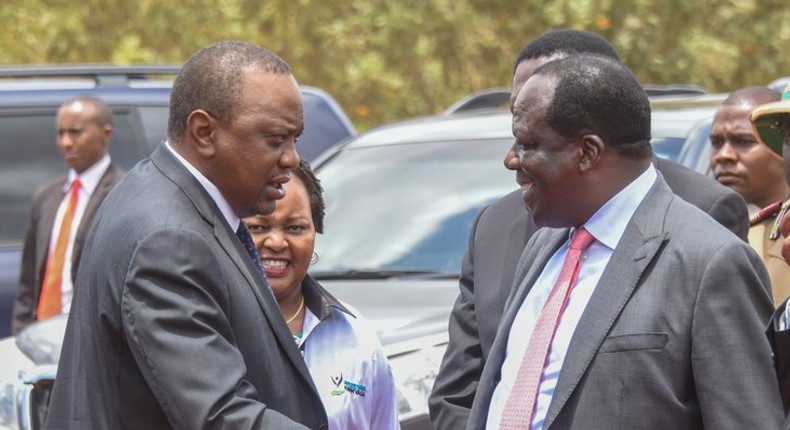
<point x="606" y="226"/>
<point x="90" y="180"/>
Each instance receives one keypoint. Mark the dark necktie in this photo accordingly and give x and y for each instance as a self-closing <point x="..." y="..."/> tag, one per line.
<point x="246" y="239"/>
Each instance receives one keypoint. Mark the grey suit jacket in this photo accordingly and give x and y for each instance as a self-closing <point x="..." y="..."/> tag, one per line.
<point x="498" y="237"/>
<point x="172" y="326"/>
<point x="672" y="336"/>
<point x="39" y="232"/>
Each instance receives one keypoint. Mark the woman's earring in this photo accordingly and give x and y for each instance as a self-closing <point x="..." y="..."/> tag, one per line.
<point x="314" y="259"/>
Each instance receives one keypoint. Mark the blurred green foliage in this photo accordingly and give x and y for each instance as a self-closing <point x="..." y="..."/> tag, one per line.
<point x="385" y="60"/>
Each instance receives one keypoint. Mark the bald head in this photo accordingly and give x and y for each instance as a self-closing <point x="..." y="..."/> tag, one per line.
<point x="753" y="96"/>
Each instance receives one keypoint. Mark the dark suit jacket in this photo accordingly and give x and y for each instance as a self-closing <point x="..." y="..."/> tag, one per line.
<point x="39" y="232"/>
<point x="780" y="344"/>
<point x="671" y="337"/>
<point x="172" y="326"/>
<point x="495" y="245"/>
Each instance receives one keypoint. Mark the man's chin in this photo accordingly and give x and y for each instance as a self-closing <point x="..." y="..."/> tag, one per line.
<point x="265" y="208"/>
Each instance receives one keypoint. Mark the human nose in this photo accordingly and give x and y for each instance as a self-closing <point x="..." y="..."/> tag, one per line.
<point x="65" y="140"/>
<point x="512" y="159"/>
<point x="725" y="153"/>
<point x="290" y="157"/>
<point x="275" y="240"/>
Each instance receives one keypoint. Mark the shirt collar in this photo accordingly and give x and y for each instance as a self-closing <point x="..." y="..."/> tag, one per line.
<point x="231" y="218"/>
<point x="90" y="177"/>
<point x="608" y="224"/>
<point x="319" y="300"/>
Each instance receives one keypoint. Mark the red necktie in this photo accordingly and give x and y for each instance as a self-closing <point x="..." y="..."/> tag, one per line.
<point x="521" y="404"/>
<point x="50" y="303"/>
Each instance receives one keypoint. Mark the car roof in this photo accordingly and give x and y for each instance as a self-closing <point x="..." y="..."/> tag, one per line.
<point x="676" y="116"/>
<point x="672" y="116"/>
<point x="471" y="126"/>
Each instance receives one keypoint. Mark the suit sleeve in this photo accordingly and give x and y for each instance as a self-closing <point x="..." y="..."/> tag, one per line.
<point x="456" y="383"/>
<point x="174" y="305"/>
<point x="731" y="212"/>
<point x="731" y="359"/>
<point x="26" y="300"/>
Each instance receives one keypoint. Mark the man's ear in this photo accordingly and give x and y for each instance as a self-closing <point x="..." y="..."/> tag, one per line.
<point x="592" y="148"/>
<point x="202" y="129"/>
<point x="106" y="132"/>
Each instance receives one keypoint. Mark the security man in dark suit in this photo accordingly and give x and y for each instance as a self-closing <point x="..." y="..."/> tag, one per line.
<point x="63" y="210"/>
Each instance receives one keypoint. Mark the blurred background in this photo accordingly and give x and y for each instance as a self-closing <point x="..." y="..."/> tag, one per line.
<point x="385" y="60"/>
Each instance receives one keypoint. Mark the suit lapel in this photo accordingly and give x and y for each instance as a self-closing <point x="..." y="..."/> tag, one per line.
<point x="49" y="210"/>
<point x="534" y="258"/>
<point x="639" y="245"/>
<point x="227" y="239"/>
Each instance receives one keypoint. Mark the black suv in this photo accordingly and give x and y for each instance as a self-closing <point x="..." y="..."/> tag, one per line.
<point x="139" y="97"/>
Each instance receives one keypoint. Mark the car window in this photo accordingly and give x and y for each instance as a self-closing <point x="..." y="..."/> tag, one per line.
<point x="407" y="207"/>
<point x="154" y="119"/>
<point x="696" y="150"/>
<point x="667" y="147"/>
<point x="324" y="126"/>
<point x="31" y="159"/>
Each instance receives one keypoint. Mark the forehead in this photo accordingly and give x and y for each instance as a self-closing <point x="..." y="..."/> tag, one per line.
<point x="269" y="90"/>
<point x="76" y="109"/>
<point x="535" y="96"/>
<point x="525" y="70"/>
<point x="737" y="113"/>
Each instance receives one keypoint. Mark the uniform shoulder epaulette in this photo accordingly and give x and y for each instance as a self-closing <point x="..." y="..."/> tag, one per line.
<point x="765" y="213"/>
<point x="780" y="215"/>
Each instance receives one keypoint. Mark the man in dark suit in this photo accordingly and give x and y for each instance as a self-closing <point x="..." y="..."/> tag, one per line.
<point x="84" y="127"/>
<point x="503" y="229"/>
<point x="174" y="324"/>
<point x="662" y="326"/>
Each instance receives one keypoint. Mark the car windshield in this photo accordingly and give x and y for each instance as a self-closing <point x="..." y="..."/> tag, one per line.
<point x="406" y="209"/>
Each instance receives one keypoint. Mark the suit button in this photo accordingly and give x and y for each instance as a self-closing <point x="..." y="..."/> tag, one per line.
<point x="323" y="427"/>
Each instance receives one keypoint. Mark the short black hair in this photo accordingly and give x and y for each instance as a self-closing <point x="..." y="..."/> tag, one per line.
<point x="566" y="42"/>
<point x="212" y="80"/>
<point x="597" y="95"/>
<point x="314" y="191"/>
<point x="103" y="112"/>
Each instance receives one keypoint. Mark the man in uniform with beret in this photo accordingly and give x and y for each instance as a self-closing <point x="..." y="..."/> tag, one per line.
<point x="755" y="170"/>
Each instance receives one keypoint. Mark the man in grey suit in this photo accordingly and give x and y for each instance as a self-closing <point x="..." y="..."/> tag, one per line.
<point x="84" y="132"/>
<point x="663" y="327"/>
<point x="502" y="229"/>
<point x="174" y="324"/>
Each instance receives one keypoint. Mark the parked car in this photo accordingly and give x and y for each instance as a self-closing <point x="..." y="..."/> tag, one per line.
<point x="401" y="200"/>
<point x="139" y="97"/>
